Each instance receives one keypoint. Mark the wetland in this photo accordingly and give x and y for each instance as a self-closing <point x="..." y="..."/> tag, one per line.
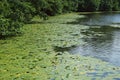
<point x="54" y="50"/>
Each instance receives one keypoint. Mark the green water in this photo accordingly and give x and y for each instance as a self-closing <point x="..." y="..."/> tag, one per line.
<point x="33" y="55"/>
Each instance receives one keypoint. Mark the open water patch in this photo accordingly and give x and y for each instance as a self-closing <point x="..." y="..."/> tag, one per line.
<point x="102" y="43"/>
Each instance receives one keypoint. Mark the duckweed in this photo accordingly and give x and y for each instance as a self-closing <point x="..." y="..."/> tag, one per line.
<point x="32" y="56"/>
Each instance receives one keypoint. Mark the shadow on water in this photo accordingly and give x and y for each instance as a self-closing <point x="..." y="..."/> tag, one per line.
<point x="116" y="79"/>
<point x="95" y="74"/>
<point x="63" y="49"/>
<point x="36" y="22"/>
<point x="102" y="39"/>
<point x="101" y="42"/>
<point x="98" y="19"/>
<point x="6" y="37"/>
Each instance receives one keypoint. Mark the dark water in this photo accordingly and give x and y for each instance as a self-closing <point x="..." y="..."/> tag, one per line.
<point x="102" y="39"/>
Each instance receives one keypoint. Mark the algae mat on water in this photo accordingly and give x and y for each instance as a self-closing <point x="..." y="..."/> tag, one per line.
<point x="32" y="56"/>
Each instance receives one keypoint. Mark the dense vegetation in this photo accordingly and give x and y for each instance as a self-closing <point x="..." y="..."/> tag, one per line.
<point x="15" y="13"/>
<point x="32" y="56"/>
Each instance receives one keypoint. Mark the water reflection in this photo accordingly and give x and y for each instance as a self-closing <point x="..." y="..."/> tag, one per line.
<point x="102" y="41"/>
<point x="101" y="19"/>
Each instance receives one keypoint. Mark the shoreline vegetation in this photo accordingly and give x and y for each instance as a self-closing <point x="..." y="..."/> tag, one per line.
<point x="32" y="56"/>
<point x="98" y="12"/>
<point x="16" y="13"/>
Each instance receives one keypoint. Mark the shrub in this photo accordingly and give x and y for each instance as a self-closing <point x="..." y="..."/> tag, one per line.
<point x="13" y="14"/>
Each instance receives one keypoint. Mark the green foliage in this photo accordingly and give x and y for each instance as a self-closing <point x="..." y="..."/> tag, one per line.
<point x="98" y="5"/>
<point x="32" y="56"/>
<point x="89" y="5"/>
<point x="106" y="5"/>
<point x="81" y="5"/>
<point x="69" y="5"/>
<point x="9" y="27"/>
<point x="4" y="8"/>
<point x="21" y="11"/>
<point x="54" y="7"/>
<point x="109" y="5"/>
<point x="93" y="5"/>
<point x="115" y="5"/>
<point x="14" y="13"/>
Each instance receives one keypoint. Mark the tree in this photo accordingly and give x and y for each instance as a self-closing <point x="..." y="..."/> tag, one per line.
<point x="115" y="5"/>
<point x="106" y="5"/>
<point x="13" y="14"/>
<point x="89" y="5"/>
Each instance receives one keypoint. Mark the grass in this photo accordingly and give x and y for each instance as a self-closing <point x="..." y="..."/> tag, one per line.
<point x="32" y="56"/>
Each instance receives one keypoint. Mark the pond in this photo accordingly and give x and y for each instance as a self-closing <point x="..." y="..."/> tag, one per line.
<point x="102" y="39"/>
